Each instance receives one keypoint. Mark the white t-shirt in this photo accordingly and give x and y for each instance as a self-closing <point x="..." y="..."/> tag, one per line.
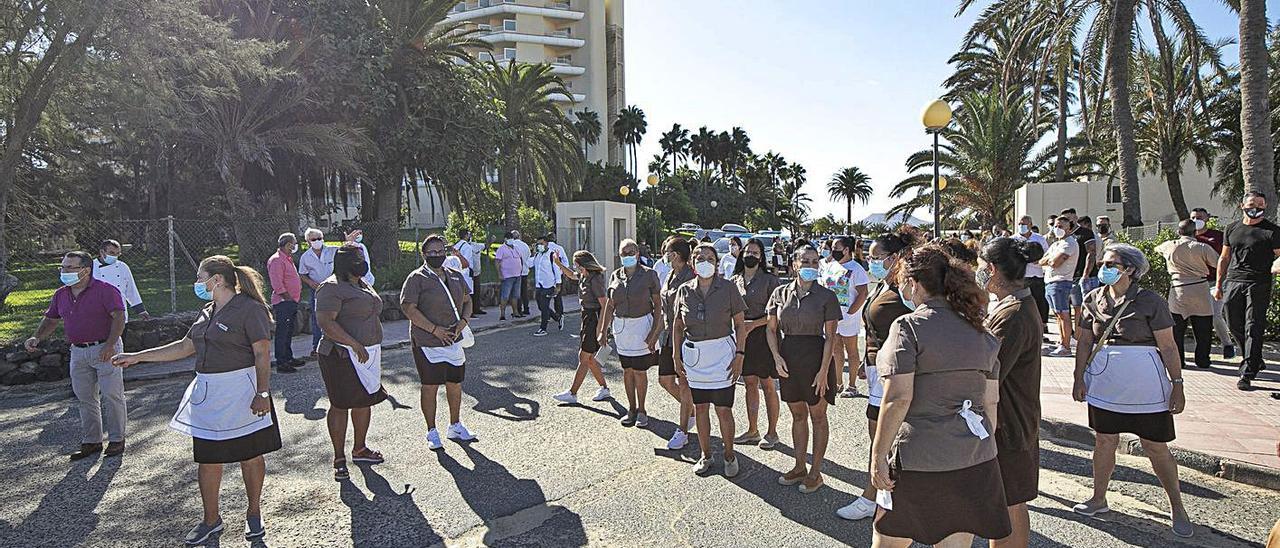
<point x="727" y="263"/>
<point x="454" y="263"/>
<point x="471" y="252"/>
<point x="663" y="269"/>
<point x="544" y="270"/>
<point x="1067" y="270"/>
<point x="844" y="280"/>
<point x="1035" y="270"/>
<point x="565" y="258"/>
<point x="525" y="257"/>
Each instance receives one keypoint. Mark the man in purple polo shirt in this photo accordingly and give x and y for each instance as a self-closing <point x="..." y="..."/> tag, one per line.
<point x="92" y="314"/>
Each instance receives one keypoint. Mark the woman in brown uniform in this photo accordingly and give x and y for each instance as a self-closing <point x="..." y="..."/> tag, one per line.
<point x="633" y="314"/>
<point x="591" y="293"/>
<point x="227" y="423"/>
<point x="678" y="255"/>
<point x="756" y="284"/>
<point x="884" y="305"/>
<point x="1134" y="382"/>
<point x="933" y="452"/>
<point x="802" y="327"/>
<point x="434" y="299"/>
<point x="1016" y="322"/>
<point x="348" y="312"/>
<point x="709" y="335"/>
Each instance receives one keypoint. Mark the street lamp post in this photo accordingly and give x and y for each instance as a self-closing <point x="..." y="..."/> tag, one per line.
<point x="653" y="202"/>
<point x="936" y="116"/>
<point x="624" y="190"/>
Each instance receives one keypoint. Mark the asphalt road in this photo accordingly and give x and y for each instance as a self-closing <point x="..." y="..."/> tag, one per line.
<point x="539" y="475"/>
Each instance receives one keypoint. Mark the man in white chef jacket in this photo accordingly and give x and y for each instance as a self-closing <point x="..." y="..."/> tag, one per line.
<point x="109" y="268"/>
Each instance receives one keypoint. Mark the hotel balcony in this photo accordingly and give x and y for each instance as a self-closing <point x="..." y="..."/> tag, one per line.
<point x="562" y="98"/>
<point x="560" y="39"/>
<point x="557" y="68"/>
<point x="466" y="11"/>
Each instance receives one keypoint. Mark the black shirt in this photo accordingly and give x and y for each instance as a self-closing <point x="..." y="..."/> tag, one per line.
<point x="1252" y="251"/>
<point x="1083" y="237"/>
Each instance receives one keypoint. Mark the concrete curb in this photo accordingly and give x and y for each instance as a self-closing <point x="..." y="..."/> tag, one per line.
<point x="1249" y="474"/>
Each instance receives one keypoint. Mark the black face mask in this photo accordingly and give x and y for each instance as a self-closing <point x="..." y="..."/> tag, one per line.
<point x="360" y="269"/>
<point x="750" y="261"/>
<point x="433" y="262"/>
<point x="837" y="254"/>
<point x="1255" y="212"/>
<point x="1104" y="229"/>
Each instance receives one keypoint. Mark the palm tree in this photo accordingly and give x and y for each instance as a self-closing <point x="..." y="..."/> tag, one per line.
<point x="796" y="210"/>
<point x="629" y="129"/>
<point x="586" y="125"/>
<point x="1257" y="157"/>
<point x="675" y="144"/>
<point x="850" y="184"/>
<point x="537" y="146"/>
<point x="1228" y="182"/>
<point x="702" y="147"/>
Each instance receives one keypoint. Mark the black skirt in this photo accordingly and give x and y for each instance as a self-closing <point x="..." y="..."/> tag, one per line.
<point x="666" y="360"/>
<point x="1157" y="427"/>
<point x="719" y="397"/>
<point x="758" y="358"/>
<point x="589" y="335"/>
<point x="342" y="384"/>
<point x="803" y="355"/>
<point x="239" y="449"/>
<point x="873" y="413"/>
<point x="1020" y="472"/>
<point x="931" y="506"/>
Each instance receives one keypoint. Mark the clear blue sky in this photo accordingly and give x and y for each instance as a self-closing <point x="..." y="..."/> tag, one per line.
<point x="826" y="84"/>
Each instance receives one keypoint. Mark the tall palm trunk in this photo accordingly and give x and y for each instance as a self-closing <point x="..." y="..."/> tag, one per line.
<point x="1173" y="178"/>
<point x="848" y="212"/>
<point x="1064" y="112"/>
<point x="510" y="206"/>
<point x="1257" y="158"/>
<point x="1119" y="48"/>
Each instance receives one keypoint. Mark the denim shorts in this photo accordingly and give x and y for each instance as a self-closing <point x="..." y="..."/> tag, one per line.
<point x="510" y="289"/>
<point x="1059" y="295"/>
<point x="1082" y="288"/>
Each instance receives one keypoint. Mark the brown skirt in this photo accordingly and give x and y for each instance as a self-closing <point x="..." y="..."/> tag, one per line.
<point x="1020" y="472"/>
<point x="342" y="384"/>
<point x="931" y="506"/>
<point x="239" y="449"/>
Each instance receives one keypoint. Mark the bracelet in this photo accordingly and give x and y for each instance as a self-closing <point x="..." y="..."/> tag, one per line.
<point x="741" y="353"/>
<point x="1176" y="381"/>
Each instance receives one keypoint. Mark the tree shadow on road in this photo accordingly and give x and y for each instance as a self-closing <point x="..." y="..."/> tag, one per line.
<point x="388" y="517"/>
<point x="69" y="507"/>
<point x="514" y="510"/>
<point x="500" y="401"/>
<point x="1083" y="467"/>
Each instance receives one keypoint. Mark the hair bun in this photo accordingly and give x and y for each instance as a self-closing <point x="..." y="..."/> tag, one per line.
<point x="1030" y="251"/>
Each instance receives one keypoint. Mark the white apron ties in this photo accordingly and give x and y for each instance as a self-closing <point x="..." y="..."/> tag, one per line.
<point x="630" y="334"/>
<point x="1128" y="379"/>
<point x="370" y="371"/>
<point x="216" y="406"/>
<point x="973" y="420"/>
<point x="875" y="387"/>
<point x="707" y="363"/>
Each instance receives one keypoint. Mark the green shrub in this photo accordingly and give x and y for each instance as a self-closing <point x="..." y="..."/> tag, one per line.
<point x="532" y="222"/>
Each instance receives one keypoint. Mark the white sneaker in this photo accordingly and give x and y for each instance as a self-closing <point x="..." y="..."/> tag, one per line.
<point x="678" y="440"/>
<point x="1061" y="352"/>
<point x="602" y="394"/>
<point x="565" y="397"/>
<point x="642" y="420"/>
<point x="433" y="440"/>
<point x="703" y="466"/>
<point x="459" y="432"/>
<point x="858" y="509"/>
<point x="731" y="467"/>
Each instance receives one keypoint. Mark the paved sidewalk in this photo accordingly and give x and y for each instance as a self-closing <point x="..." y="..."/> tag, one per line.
<point x="394" y="334"/>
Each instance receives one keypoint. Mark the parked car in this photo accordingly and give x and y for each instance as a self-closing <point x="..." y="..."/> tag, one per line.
<point x="734" y="229"/>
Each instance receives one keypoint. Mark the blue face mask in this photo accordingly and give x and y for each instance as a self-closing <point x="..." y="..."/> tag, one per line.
<point x="629" y="261"/>
<point x="808" y="274"/>
<point x="108" y="259"/>
<point x="911" y="305"/>
<point x="202" y="291"/>
<point x="877" y="269"/>
<point x="360" y="238"/>
<point x="69" y="278"/>
<point x="1108" y="275"/>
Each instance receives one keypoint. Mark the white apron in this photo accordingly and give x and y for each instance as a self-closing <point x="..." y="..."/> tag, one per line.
<point x="875" y="387"/>
<point x="707" y="363"/>
<point x="1128" y="379"/>
<point x="452" y="354"/>
<point x="369" y="372"/>
<point x="216" y="406"/>
<point x="630" y="334"/>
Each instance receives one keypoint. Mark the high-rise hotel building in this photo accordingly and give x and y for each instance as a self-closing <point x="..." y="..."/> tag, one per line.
<point x="581" y="39"/>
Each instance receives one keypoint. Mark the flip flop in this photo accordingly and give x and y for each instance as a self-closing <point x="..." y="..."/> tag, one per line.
<point x="364" y="455"/>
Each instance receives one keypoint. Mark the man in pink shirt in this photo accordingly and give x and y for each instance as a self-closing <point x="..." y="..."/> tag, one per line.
<point x="286" y="291"/>
<point x="510" y="267"/>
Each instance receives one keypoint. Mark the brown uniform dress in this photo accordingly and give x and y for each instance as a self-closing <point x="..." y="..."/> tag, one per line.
<point x="708" y="317"/>
<point x="359" y="311"/>
<point x="632" y="297"/>
<point x="1016" y="323"/>
<point x="802" y="319"/>
<point x="947" y="479"/>
<point x="666" y="354"/>
<point x="224" y="342"/>
<point x="423" y="288"/>
<point x="884" y="305"/>
<point x="758" y="361"/>
<point x="1147" y="314"/>
<point x="590" y="290"/>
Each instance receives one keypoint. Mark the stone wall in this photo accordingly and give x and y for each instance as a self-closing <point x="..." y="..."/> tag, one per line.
<point x="49" y="362"/>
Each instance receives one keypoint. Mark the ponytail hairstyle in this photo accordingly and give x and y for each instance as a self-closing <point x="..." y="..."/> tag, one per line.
<point x="960" y="251"/>
<point x="942" y="275"/>
<point x="898" y="244"/>
<point x="1010" y="257"/>
<point x="680" y="247"/>
<point x="241" y="279"/>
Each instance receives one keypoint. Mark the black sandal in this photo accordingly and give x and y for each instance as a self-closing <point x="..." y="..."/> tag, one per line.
<point x="340" y="472"/>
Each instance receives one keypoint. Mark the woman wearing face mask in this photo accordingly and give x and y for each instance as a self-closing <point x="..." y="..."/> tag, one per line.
<point x="933" y="452"/>
<point x="884" y="305"/>
<point x="802" y="331"/>
<point x="591" y="293"/>
<point x="633" y="314"/>
<point x="848" y="280"/>
<point x="730" y="261"/>
<point x="1017" y="325"/>
<point x="756" y="284"/>
<point x="231" y="343"/>
<point x="348" y="311"/>
<point x="709" y="336"/>
<point x="678" y="255"/>
<point x="1130" y="372"/>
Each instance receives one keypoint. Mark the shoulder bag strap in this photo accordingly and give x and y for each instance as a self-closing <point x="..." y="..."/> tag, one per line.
<point x="449" y="294"/>
<point x="1111" y="325"/>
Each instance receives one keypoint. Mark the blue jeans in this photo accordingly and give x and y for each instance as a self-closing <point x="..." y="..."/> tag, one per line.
<point x="1082" y="288"/>
<point x="1059" y="295"/>
<point x="544" y="295"/>
<point x="286" y="314"/>
<point x="509" y="289"/>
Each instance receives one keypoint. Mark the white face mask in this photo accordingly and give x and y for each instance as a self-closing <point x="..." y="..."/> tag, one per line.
<point x="1059" y="232"/>
<point x="1199" y="224"/>
<point x="704" y="269"/>
<point x="317" y="244"/>
<point x="1024" y="230"/>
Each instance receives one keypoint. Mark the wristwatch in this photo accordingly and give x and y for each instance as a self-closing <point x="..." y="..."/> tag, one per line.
<point x="1176" y="381"/>
<point x="266" y="395"/>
